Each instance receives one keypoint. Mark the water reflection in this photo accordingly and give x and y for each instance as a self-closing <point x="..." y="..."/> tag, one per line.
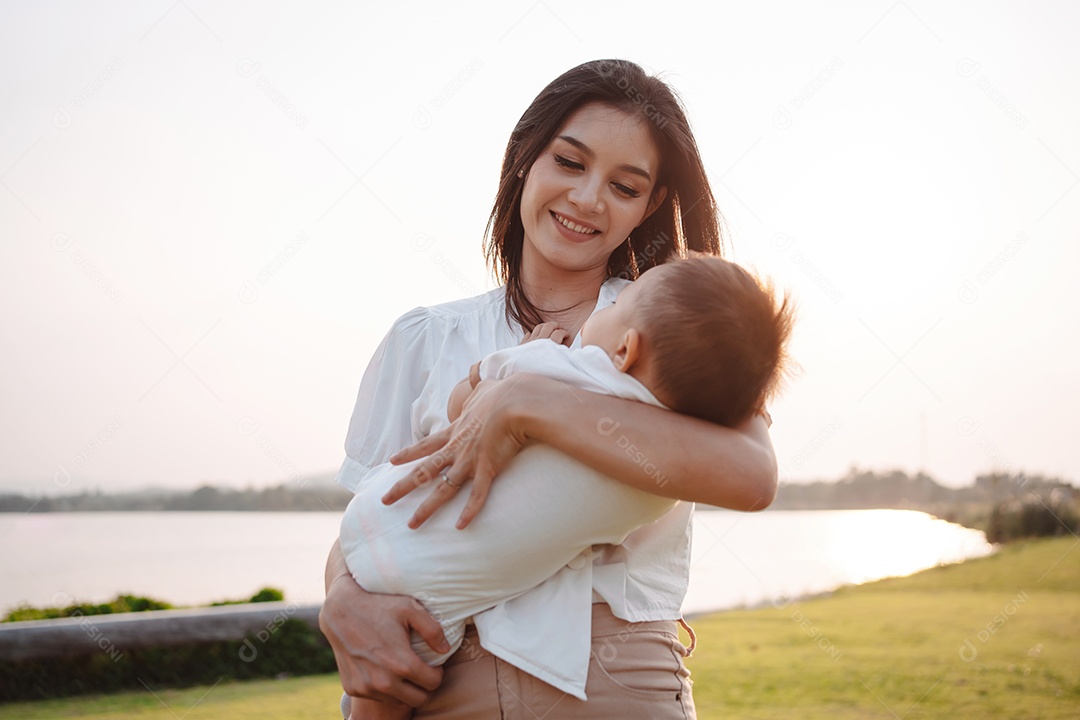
<point x="753" y="559"/>
<point x="190" y="558"/>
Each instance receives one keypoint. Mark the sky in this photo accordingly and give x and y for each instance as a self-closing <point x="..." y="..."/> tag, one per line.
<point x="211" y="214"/>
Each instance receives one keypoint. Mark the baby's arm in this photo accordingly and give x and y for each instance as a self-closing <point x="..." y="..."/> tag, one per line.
<point x="461" y="391"/>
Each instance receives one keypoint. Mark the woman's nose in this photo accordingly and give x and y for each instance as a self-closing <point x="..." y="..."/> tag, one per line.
<point x="587" y="194"/>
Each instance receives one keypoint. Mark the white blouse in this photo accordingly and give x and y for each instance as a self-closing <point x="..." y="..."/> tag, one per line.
<point x="403" y="397"/>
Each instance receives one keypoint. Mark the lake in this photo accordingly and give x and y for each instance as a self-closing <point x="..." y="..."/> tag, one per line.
<point x="189" y="558"/>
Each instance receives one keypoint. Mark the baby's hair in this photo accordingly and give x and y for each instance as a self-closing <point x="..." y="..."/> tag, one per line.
<point x="717" y="338"/>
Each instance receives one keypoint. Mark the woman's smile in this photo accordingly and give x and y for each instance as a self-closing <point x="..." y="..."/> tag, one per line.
<point x="575" y="230"/>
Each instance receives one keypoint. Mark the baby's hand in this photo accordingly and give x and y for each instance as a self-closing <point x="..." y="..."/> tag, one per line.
<point x="550" y="331"/>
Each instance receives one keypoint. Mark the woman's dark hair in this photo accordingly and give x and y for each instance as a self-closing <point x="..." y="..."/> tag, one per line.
<point x="686" y="220"/>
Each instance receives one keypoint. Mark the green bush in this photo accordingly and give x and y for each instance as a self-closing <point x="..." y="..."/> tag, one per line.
<point x="123" y="604"/>
<point x="293" y="648"/>
<point x="1032" y="516"/>
<point x="267" y="594"/>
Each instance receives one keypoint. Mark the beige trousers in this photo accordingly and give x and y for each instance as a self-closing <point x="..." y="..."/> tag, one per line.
<point x="636" y="671"/>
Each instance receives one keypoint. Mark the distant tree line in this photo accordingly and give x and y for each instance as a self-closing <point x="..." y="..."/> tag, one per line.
<point x="1005" y="506"/>
<point x="282" y="498"/>
<point x="866" y="489"/>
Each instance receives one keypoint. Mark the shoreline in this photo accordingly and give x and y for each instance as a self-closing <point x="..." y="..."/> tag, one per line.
<point x="789" y="600"/>
<point x="738" y="559"/>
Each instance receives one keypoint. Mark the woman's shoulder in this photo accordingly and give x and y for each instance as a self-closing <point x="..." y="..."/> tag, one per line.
<point x="481" y="309"/>
<point x="475" y="305"/>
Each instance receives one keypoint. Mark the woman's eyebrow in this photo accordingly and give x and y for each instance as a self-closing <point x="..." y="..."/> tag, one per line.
<point x="633" y="169"/>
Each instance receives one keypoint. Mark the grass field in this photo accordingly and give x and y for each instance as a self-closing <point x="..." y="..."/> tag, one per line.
<point x="997" y="637"/>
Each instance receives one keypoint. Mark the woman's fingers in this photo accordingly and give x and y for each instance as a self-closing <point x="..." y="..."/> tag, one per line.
<point x="381" y="685"/>
<point x="451" y="442"/>
<point x="422" y="475"/>
<point x="429" y="629"/>
<point x="483" y="437"/>
<point x="423" y="448"/>
<point x="446" y="486"/>
<point x="369" y="634"/>
<point x="481" y="486"/>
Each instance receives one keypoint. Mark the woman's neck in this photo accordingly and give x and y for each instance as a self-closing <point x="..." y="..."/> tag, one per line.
<point x="564" y="297"/>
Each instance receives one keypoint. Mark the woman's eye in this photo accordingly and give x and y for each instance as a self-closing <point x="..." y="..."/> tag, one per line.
<point x="569" y="164"/>
<point x="563" y="162"/>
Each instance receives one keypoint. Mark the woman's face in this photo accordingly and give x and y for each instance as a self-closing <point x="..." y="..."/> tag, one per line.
<point x="589" y="188"/>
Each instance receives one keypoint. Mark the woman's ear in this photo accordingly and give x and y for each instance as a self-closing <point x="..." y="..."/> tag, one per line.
<point x="628" y="352"/>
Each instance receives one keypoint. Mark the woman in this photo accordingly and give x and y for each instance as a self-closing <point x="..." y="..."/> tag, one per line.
<point x="601" y="180"/>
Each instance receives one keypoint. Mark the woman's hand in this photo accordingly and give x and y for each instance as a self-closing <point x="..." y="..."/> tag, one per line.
<point x="369" y="634"/>
<point x="476" y="447"/>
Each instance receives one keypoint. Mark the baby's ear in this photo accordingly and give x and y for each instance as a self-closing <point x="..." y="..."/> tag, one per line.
<point x="628" y="352"/>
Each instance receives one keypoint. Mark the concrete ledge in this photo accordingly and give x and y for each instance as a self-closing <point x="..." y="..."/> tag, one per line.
<point x="36" y="639"/>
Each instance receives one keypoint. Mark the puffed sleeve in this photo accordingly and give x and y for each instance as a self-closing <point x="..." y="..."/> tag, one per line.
<point x="381" y="422"/>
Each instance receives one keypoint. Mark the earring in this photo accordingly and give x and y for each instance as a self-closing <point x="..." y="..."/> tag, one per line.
<point x="521" y="173"/>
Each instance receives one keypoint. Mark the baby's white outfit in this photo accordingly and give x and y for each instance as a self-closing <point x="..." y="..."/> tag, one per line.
<point x="525" y="569"/>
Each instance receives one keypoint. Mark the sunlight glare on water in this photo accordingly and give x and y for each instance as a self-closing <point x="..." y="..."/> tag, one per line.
<point x="189" y="558"/>
<point x="741" y="559"/>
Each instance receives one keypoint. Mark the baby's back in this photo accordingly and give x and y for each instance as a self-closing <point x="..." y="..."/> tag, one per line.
<point x="544" y="509"/>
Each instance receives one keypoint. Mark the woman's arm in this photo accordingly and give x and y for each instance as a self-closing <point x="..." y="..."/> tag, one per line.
<point x="369" y="634"/>
<point x="652" y="449"/>
<point x="647" y="447"/>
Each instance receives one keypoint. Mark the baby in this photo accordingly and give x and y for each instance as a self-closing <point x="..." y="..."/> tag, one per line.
<point x="700" y="336"/>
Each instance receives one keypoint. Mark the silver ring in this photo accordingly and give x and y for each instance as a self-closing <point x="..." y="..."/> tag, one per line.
<point x="446" y="480"/>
